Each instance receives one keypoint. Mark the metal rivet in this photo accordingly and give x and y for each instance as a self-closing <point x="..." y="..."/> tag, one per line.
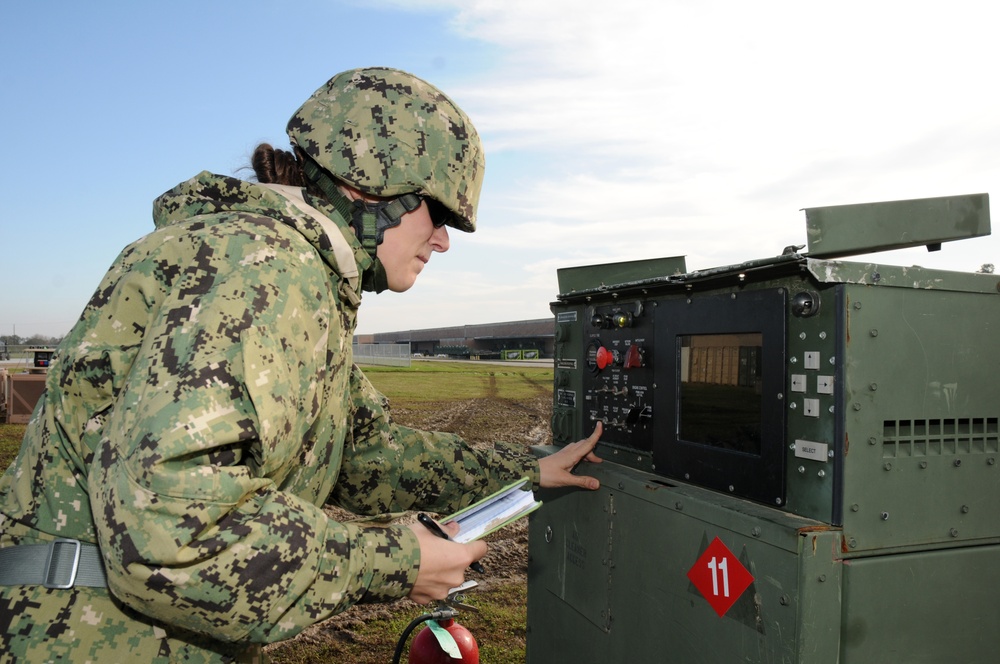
<point x="548" y="533"/>
<point x="885" y="516"/>
<point x="965" y="509"/>
<point x="873" y="332"/>
<point x="953" y="532"/>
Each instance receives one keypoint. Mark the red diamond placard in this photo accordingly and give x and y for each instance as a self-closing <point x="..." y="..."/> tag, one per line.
<point x="720" y="576"/>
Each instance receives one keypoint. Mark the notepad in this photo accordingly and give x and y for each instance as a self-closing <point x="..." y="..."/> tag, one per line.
<point x="495" y="511"/>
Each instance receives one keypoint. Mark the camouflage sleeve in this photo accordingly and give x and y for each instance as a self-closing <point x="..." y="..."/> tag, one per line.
<point x="205" y="491"/>
<point x="390" y="468"/>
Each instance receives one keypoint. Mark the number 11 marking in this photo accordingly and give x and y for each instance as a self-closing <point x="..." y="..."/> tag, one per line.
<point x="723" y="568"/>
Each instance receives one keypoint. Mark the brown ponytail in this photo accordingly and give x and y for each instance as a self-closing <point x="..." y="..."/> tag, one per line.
<point x="277" y="166"/>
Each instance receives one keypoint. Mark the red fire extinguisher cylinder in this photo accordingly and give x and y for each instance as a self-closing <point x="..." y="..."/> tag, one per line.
<point x="425" y="648"/>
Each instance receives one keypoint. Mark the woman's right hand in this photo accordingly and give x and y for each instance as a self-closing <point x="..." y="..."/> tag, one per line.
<point x="442" y="563"/>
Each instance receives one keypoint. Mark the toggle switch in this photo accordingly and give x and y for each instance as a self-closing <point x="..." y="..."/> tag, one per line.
<point x="633" y="357"/>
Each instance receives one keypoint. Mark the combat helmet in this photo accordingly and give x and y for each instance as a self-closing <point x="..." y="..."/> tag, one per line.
<point x="388" y="133"/>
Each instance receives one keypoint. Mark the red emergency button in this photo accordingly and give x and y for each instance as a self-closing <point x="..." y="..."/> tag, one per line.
<point x="604" y="357"/>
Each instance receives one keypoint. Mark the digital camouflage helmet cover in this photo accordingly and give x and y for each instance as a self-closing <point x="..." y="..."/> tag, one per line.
<point x="388" y="133"/>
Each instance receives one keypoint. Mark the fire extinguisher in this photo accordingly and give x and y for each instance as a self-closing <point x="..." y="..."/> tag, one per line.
<point x="443" y="640"/>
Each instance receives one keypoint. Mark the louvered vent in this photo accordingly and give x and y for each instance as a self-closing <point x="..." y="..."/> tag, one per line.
<point x="940" y="437"/>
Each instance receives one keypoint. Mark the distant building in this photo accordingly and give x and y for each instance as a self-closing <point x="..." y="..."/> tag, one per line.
<point x="524" y="339"/>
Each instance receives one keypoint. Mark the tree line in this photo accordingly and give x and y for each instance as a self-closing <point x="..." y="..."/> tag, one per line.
<point x="33" y="340"/>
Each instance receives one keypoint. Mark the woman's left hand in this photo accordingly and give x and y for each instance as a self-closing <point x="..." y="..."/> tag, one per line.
<point x="557" y="469"/>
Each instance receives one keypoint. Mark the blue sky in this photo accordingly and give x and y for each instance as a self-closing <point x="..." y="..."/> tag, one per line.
<point x="613" y="131"/>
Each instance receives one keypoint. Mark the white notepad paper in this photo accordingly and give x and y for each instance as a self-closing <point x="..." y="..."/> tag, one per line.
<point x="495" y="511"/>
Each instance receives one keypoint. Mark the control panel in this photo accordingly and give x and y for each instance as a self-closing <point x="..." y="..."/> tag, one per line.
<point x="795" y="449"/>
<point x="618" y="377"/>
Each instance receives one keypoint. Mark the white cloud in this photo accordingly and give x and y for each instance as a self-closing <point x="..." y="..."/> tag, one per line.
<point x="640" y="129"/>
<point x="644" y="128"/>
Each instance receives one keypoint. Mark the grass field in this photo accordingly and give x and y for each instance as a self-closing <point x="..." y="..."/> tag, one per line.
<point x="419" y="394"/>
<point x="10" y="442"/>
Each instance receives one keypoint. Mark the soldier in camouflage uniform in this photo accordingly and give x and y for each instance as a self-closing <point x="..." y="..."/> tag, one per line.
<point x="206" y="406"/>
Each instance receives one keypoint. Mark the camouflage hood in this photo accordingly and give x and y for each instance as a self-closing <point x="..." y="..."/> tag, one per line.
<point x="210" y="194"/>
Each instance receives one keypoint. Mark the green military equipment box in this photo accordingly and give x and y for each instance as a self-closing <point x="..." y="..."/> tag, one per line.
<point x="801" y="456"/>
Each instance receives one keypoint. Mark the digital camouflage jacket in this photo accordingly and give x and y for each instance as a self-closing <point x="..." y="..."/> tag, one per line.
<point x="194" y="423"/>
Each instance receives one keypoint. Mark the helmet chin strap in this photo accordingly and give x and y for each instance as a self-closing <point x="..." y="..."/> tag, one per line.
<point x="369" y="219"/>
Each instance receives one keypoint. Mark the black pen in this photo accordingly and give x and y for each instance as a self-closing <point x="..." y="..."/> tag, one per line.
<point x="433" y="526"/>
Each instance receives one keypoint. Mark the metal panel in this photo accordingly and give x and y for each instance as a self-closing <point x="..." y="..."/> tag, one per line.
<point x="921" y="418"/>
<point x="633" y="543"/>
<point x="923" y="608"/>
<point x="587" y="277"/>
<point x="578" y="572"/>
<point x="846" y="230"/>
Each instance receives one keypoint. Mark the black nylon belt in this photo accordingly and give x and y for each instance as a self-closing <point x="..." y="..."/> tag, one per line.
<point x="61" y="564"/>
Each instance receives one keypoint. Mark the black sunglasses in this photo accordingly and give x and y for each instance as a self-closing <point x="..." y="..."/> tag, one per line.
<point x="440" y="215"/>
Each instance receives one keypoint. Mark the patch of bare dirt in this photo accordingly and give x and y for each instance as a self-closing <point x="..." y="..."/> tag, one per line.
<point x="481" y="422"/>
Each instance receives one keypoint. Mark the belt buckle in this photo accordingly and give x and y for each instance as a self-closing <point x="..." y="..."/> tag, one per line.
<point x="55" y="566"/>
